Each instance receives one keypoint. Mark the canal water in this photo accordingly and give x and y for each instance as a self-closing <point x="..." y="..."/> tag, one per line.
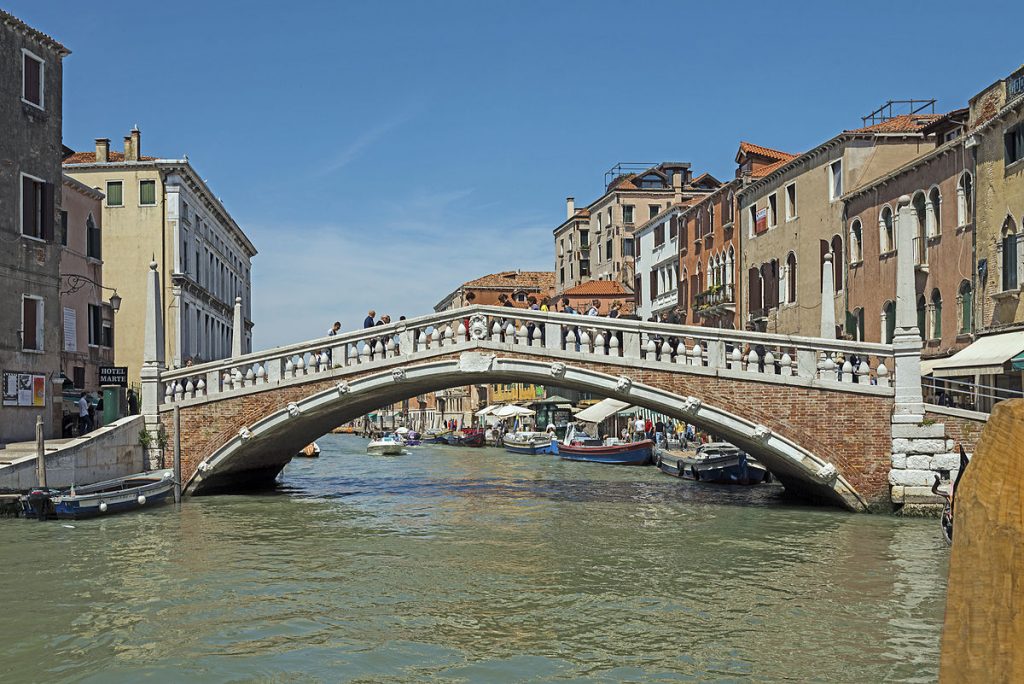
<point x="473" y="565"/>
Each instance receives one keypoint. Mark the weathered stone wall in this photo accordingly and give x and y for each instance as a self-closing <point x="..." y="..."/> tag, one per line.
<point x="851" y="431"/>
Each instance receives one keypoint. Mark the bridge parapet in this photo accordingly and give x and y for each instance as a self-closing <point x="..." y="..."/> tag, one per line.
<point x="559" y="335"/>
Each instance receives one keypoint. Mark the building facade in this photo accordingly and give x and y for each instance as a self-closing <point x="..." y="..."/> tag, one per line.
<point x="792" y="217"/>
<point x="30" y="202"/>
<point x="161" y="207"/>
<point x="87" y="315"/>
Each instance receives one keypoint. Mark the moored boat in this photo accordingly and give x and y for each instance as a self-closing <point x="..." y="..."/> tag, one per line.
<point x="388" y="445"/>
<point x="631" y="453"/>
<point x="530" y="443"/>
<point x="311" y="450"/>
<point x="467" y="438"/>
<point x="142" y="490"/>
<point x="718" y="463"/>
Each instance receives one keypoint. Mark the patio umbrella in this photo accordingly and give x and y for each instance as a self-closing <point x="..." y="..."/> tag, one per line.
<point x="486" y="411"/>
<point x="512" y="410"/>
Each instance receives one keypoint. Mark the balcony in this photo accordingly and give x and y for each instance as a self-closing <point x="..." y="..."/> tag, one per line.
<point x="715" y="301"/>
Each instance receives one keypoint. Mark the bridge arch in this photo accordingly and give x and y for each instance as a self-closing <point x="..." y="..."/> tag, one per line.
<point x="261" y="448"/>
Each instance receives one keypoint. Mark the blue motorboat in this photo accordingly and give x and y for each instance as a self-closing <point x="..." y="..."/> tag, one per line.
<point x="143" y="490"/>
<point x="631" y="453"/>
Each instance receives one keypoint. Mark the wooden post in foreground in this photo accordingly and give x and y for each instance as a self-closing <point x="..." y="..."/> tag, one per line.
<point x="177" y="453"/>
<point x="40" y="453"/>
<point x="984" y="626"/>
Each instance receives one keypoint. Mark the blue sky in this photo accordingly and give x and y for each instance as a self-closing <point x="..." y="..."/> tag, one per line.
<point x="379" y="154"/>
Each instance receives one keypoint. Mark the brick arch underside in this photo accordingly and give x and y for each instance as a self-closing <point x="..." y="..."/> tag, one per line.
<point x="850" y="431"/>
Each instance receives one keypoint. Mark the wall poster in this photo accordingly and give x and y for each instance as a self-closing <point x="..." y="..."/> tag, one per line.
<point x="24" y="389"/>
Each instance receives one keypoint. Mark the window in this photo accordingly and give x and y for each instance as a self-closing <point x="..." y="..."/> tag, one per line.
<point x="1014" y="140"/>
<point x="964" y="199"/>
<point x="965" y="305"/>
<point x="561" y="276"/>
<point x="184" y="211"/>
<point x="886" y="230"/>
<point x="64" y="228"/>
<point x="888" y="322"/>
<point x="36" y="208"/>
<point x="936" y="307"/>
<point x="31" y="323"/>
<point x="1009" y="252"/>
<point x="627" y="247"/>
<point x="933" y="221"/>
<point x="115" y="196"/>
<point x="835" y="178"/>
<point x="673" y="228"/>
<point x="920" y="244"/>
<point x="791" y="201"/>
<point x="608" y="250"/>
<point x="654" y="209"/>
<point x="753" y="220"/>
<point x="32" y="84"/>
<point x="147" y="193"/>
<point x="95" y="325"/>
<point x="773" y="210"/>
<point x="654" y="284"/>
<point x="659" y="235"/>
<point x="856" y="244"/>
<point x="94" y="244"/>
<point x="78" y="373"/>
<point x="584" y="241"/>
<point x="727" y="214"/>
<point x="627" y="213"/>
<point x="711" y="218"/>
<point x="921" y="308"/>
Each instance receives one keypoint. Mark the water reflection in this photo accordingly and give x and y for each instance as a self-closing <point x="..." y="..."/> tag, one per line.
<point x="475" y="565"/>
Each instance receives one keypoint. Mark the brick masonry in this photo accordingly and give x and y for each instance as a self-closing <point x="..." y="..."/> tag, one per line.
<point x="851" y="431"/>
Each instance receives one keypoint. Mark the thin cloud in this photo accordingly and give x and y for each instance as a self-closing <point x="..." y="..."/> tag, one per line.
<point x="363" y="141"/>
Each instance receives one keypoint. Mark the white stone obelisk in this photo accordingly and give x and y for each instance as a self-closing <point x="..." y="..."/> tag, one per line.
<point x="828" y="299"/>
<point x="907" y="339"/>
<point x="152" y="360"/>
<point x="237" y="334"/>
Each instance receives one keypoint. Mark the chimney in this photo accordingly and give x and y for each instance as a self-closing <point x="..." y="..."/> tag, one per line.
<point x="570" y="207"/>
<point x="677" y="185"/>
<point x="131" y="146"/>
<point x="136" y="143"/>
<point x="102" y="150"/>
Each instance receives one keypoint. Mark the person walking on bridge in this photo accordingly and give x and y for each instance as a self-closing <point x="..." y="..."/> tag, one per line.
<point x="369" y="321"/>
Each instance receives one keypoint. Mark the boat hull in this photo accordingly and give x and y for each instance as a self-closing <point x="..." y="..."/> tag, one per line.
<point x="636" y="453"/>
<point x="738" y="470"/>
<point x="388" y="449"/>
<point x="144" y="490"/>
<point x="530" y="447"/>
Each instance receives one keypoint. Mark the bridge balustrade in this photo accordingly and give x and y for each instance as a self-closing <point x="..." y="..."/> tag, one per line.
<point x="545" y="334"/>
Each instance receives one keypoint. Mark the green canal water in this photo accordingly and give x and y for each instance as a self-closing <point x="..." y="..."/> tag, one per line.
<point x="473" y="565"/>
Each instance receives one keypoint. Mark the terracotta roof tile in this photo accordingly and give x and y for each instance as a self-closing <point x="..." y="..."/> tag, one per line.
<point x="596" y="287"/>
<point x="904" y="123"/>
<point x="766" y="170"/>
<point x="90" y="157"/>
<point x="751" y="148"/>
<point x="18" y="24"/>
<point x="543" y="280"/>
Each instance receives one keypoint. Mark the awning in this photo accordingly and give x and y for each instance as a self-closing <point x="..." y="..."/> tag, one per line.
<point x="486" y="411"/>
<point x="985" y="356"/>
<point x="600" y="410"/>
<point x="1018" y="361"/>
<point x="928" y="365"/>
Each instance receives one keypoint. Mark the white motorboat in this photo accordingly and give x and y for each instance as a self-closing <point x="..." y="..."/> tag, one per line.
<point x="388" y="445"/>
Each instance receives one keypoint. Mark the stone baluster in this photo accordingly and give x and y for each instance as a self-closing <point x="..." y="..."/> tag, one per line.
<point x="389" y="347"/>
<point x="261" y="374"/>
<point x="786" y="364"/>
<point x="666" y="351"/>
<point x="510" y="333"/>
<point x="449" y="335"/>
<point x="378" y="350"/>
<point x="847" y="372"/>
<point x="613" y="345"/>
<point x="681" y="352"/>
<point x="736" y="357"/>
<point x="863" y="373"/>
<point x="190" y="389"/>
<point x="882" y="374"/>
<point x="538" y="336"/>
<point x="435" y="337"/>
<point x="300" y="366"/>
<point x="599" y="347"/>
<point x="584" y="341"/>
<point x="250" y="377"/>
<point x="364" y="352"/>
<point x="169" y="392"/>
<point x="769" y="362"/>
<point x="462" y="333"/>
<point x="201" y="388"/>
<point x="421" y="341"/>
<point x="753" y="362"/>
<point x="696" y="355"/>
<point x="496" y="331"/>
<point x="650" y="349"/>
<point x="524" y="335"/>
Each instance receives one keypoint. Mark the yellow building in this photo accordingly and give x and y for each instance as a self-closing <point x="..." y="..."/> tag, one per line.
<point x="162" y="209"/>
<point x="509" y="394"/>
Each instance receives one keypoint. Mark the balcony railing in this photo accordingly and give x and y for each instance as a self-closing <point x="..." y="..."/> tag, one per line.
<point x="717" y="295"/>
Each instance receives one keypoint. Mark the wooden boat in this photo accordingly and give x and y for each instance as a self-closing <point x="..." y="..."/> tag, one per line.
<point x="436" y="437"/>
<point x="388" y="445"/>
<point x="142" y="490"/>
<point x="717" y="462"/>
<point x="530" y="443"/>
<point x="474" y="438"/>
<point x="632" y="453"/>
<point x="343" y="430"/>
<point x="311" y="450"/>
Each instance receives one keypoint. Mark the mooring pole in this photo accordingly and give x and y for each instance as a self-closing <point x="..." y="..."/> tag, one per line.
<point x="177" y="453"/>
<point x="40" y="453"/>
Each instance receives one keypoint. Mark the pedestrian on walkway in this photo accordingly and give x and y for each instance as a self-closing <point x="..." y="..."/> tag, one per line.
<point x="369" y="321"/>
<point x="335" y="329"/>
<point x="133" y="403"/>
<point x="84" y="424"/>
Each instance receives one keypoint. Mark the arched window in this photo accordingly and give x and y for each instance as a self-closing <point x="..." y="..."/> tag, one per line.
<point x="936" y="311"/>
<point x="856" y="244"/>
<point x="791" y="278"/>
<point x="684" y="290"/>
<point x="964" y="199"/>
<point x="886" y="230"/>
<point x="965" y="307"/>
<point x="711" y="217"/>
<point x="922" y="309"/>
<point x="837" y="261"/>
<point x="856" y="323"/>
<point x="730" y="264"/>
<point x="933" y="205"/>
<point x="1010" y="257"/>
<point x="920" y="244"/>
<point x="727" y="213"/>
<point x="888" y="322"/>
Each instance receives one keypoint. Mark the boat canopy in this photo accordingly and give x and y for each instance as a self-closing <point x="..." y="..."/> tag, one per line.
<point x="601" y="410"/>
<point x="985" y="356"/>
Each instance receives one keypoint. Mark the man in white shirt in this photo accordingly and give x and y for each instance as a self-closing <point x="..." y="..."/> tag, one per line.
<point x="638" y="430"/>
<point x="83" y="415"/>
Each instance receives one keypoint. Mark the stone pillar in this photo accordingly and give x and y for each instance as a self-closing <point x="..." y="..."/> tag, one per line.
<point x="828" y="300"/>
<point x="919" y="451"/>
<point x="238" y="331"/>
<point x="152" y="364"/>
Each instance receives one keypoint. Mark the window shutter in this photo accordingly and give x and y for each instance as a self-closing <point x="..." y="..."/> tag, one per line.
<point x="28" y="203"/>
<point x="31" y="75"/>
<point x="1020" y="259"/>
<point x="48" y="210"/>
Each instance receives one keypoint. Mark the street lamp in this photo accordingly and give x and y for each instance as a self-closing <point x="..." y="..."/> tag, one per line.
<point x="115" y="301"/>
<point x="77" y="282"/>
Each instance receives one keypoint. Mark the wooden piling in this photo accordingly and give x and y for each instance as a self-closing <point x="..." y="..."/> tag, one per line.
<point x="984" y="625"/>
<point x="40" y="453"/>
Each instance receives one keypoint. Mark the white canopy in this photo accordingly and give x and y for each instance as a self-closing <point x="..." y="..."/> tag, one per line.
<point x="486" y="411"/>
<point x="601" y="410"/>
<point x="985" y="356"/>
<point x="512" y="410"/>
